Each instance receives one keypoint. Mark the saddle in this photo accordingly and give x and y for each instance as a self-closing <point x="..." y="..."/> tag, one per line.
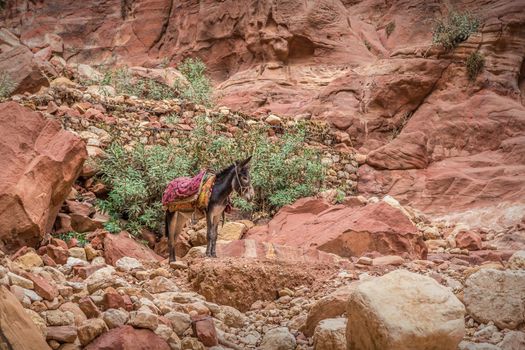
<point x="188" y="193"/>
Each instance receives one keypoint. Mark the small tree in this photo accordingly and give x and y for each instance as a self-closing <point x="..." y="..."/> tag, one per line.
<point x="199" y="89"/>
<point x="454" y="29"/>
<point x="474" y="63"/>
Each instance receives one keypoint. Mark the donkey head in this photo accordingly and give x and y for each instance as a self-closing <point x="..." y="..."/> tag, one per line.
<point x="241" y="181"/>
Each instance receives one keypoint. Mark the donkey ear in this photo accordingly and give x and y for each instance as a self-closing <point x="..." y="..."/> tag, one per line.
<point x="245" y="162"/>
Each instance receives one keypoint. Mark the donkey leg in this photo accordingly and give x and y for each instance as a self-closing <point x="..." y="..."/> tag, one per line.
<point x="172" y="221"/>
<point x="214" y="237"/>
<point x="209" y="227"/>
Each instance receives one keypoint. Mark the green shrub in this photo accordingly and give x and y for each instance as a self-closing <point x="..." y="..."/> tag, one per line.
<point x="282" y="171"/>
<point x="454" y="29"/>
<point x="125" y="83"/>
<point x="390" y="27"/>
<point x="199" y="89"/>
<point x="80" y="237"/>
<point x="7" y="85"/>
<point x="475" y="63"/>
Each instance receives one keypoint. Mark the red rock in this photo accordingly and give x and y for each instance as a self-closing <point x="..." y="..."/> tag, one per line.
<point x="59" y="243"/>
<point x="48" y="261"/>
<point x="88" y="307"/>
<point x="118" y="246"/>
<point x="16" y="327"/>
<point x="81" y="223"/>
<point x="19" y="252"/>
<point x="408" y="151"/>
<point x="112" y="300"/>
<point x="128" y="304"/>
<point x="204" y="330"/>
<point x="23" y="68"/>
<point x="72" y="243"/>
<point x="128" y="338"/>
<point x="86" y="271"/>
<point x="42" y="250"/>
<point x="468" y="240"/>
<point x="343" y="230"/>
<point x="58" y="254"/>
<point x="62" y="334"/>
<point x="42" y="287"/>
<point x="63" y="223"/>
<point x="81" y="208"/>
<point x="41" y="162"/>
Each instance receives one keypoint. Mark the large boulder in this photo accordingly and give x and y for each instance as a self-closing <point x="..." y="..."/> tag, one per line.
<point x="404" y="310"/>
<point x="122" y="244"/>
<point x="23" y="68"/>
<point x="343" y="230"/>
<point x="17" y="330"/>
<point x="497" y="296"/>
<point x="241" y="282"/>
<point x="128" y="338"/>
<point x="40" y="162"/>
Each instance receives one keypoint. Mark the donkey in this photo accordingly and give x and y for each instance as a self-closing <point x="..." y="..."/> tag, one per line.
<point x="236" y="178"/>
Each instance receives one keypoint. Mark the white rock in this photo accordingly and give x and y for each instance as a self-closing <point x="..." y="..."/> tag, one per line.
<point x="497" y="296"/>
<point x="404" y="310"/>
<point x="272" y="119"/>
<point x="517" y="260"/>
<point x="127" y="264"/>
<point x="180" y="322"/>
<point x="142" y="319"/>
<point x="115" y="317"/>
<point x="20" y="281"/>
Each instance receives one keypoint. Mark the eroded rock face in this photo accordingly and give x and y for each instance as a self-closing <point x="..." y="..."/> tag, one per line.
<point x="40" y="162"/>
<point x="404" y="310"/>
<point x="238" y="283"/>
<point x="344" y="230"/>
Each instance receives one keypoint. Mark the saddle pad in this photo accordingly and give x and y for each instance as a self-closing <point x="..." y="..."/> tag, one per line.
<point x="182" y="187"/>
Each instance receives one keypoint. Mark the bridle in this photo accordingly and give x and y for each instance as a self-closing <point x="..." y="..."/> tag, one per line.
<point x="243" y="189"/>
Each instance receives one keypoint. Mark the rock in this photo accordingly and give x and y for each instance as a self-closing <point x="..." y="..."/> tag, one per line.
<point x="517" y="260"/>
<point x="42" y="287"/>
<point x="91" y="253"/>
<point x="77" y="252"/>
<point x="204" y="330"/>
<point x="180" y="322"/>
<point x="23" y="69"/>
<point x="189" y="343"/>
<point x="29" y="260"/>
<point x="37" y="320"/>
<point x="143" y="319"/>
<point x="231" y="317"/>
<point x="343" y="230"/>
<point x="88" y="307"/>
<point x="278" y="339"/>
<point x="45" y="169"/>
<point x="476" y="346"/>
<point x="62" y="334"/>
<point x="16" y="326"/>
<point x="78" y="314"/>
<point x="91" y="329"/>
<point x="468" y="240"/>
<point x="121" y="245"/>
<point x="100" y="279"/>
<point x="513" y="340"/>
<point x="330" y="306"/>
<point x="273" y="120"/>
<point x="128" y="338"/>
<point x="388" y="260"/>
<point x="403" y="310"/>
<point x="59" y="318"/>
<point x="127" y="264"/>
<point x="115" y="317"/>
<point x="58" y="254"/>
<point x="231" y="231"/>
<point x="497" y="296"/>
<point x="20" y="281"/>
<point x="330" y="334"/>
<point x="160" y="284"/>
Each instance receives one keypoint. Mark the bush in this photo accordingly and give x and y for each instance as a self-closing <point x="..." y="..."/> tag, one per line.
<point x="7" y="85"/>
<point x="475" y="62"/>
<point x="124" y="83"/>
<point x="80" y="237"/>
<point x="454" y="29"/>
<point x="199" y="89"/>
<point x="282" y="171"/>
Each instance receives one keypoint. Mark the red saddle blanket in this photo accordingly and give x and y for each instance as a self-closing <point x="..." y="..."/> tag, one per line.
<point x="182" y="187"/>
